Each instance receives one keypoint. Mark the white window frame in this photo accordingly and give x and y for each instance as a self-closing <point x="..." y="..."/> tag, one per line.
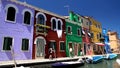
<point x="6" y="8"/>
<point x="60" y="22"/>
<point x="39" y="13"/>
<point x="59" y="46"/>
<point x="28" y="45"/>
<point x="3" y="43"/>
<point x="31" y="13"/>
<point x="53" y="18"/>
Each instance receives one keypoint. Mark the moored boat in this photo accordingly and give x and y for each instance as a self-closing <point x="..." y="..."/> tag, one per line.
<point x="68" y="64"/>
<point x="110" y="56"/>
<point x="94" y="59"/>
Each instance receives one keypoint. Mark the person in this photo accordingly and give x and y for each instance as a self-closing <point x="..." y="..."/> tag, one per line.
<point x="50" y="53"/>
<point x="70" y="52"/>
<point x="81" y="53"/>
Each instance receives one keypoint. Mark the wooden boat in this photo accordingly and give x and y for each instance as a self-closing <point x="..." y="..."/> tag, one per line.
<point x="118" y="61"/>
<point x="68" y="64"/>
<point x="94" y="59"/>
<point x="110" y="56"/>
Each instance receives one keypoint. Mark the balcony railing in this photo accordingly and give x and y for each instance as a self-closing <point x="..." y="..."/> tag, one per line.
<point x="44" y="26"/>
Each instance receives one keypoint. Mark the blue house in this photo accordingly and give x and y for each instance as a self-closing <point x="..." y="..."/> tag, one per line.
<point x="106" y="41"/>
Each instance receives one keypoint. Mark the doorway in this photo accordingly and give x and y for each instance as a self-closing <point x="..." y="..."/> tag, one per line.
<point x="40" y="48"/>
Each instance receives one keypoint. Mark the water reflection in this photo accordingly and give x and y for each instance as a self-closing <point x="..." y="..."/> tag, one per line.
<point x="104" y="64"/>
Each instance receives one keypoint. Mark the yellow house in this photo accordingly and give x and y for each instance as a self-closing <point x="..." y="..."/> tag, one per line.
<point x="114" y="41"/>
<point x="96" y="31"/>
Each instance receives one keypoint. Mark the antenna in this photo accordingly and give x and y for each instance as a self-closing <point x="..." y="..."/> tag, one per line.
<point x="68" y="8"/>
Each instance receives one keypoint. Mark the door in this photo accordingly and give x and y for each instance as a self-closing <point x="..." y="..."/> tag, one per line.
<point x="84" y="48"/>
<point x="40" y="48"/>
<point x="75" y="50"/>
<point x="70" y="50"/>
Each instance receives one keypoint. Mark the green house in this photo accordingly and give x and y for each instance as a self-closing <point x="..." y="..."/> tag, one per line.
<point x="73" y="35"/>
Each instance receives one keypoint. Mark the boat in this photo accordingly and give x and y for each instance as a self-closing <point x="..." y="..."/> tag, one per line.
<point x="110" y="56"/>
<point x="94" y="59"/>
<point x="68" y="64"/>
<point x="118" y="61"/>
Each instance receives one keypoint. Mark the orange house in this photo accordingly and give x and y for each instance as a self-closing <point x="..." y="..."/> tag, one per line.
<point x="114" y="41"/>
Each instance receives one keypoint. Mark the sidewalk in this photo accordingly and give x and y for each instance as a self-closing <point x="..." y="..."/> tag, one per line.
<point x="39" y="61"/>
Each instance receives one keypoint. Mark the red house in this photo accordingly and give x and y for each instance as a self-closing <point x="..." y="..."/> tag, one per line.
<point x="86" y="36"/>
<point x="48" y="33"/>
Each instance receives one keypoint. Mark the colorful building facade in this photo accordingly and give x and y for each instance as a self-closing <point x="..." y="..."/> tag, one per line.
<point x="114" y="41"/>
<point x="48" y="33"/>
<point x="73" y="35"/>
<point x="106" y="41"/>
<point x="16" y="30"/>
<point x="96" y="31"/>
<point x="86" y="36"/>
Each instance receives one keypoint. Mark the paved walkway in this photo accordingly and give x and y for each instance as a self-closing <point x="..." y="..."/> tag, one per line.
<point x="4" y="63"/>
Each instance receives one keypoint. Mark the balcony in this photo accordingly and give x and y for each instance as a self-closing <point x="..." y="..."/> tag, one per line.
<point x="41" y="29"/>
<point x="40" y="25"/>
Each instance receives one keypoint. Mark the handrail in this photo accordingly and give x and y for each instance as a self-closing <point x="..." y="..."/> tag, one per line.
<point x="42" y="25"/>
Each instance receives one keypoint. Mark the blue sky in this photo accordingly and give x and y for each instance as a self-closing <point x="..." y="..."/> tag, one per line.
<point x="107" y="12"/>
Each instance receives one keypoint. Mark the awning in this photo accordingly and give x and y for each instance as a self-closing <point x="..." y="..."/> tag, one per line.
<point x="83" y="32"/>
<point x="89" y="34"/>
<point x="100" y="44"/>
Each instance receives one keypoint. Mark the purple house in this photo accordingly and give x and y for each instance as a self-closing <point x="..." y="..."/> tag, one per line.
<point x="16" y="30"/>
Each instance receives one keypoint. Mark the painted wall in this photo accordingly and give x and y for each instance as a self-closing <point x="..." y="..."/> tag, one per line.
<point x="15" y="30"/>
<point x="51" y="35"/>
<point x="106" y="41"/>
<point x="113" y="40"/>
<point x="73" y="38"/>
<point x="95" y="30"/>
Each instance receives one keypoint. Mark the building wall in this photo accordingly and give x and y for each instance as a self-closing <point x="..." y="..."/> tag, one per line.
<point x="73" y="37"/>
<point x="86" y="38"/>
<point x="50" y="35"/>
<point x="17" y="31"/>
<point x="95" y="30"/>
<point x="113" y="40"/>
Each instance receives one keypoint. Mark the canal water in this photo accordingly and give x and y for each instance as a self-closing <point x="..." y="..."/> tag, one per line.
<point x="103" y="64"/>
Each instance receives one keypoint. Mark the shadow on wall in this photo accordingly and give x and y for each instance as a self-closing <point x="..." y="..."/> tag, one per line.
<point x="9" y="56"/>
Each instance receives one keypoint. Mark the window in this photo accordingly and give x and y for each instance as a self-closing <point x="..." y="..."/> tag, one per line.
<point x="7" y="43"/>
<point x="25" y="44"/>
<point x="53" y="24"/>
<point x="78" y="32"/>
<point x="99" y="36"/>
<point x="52" y="45"/>
<point x="87" y="23"/>
<point x="41" y="21"/>
<point x="62" y="46"/>
<point x="11" y="14"/>
<point x="90" y="23"/>
<point x="59" y="25"/>
<point x="81" y="20"/>
<point x="27" y="17"/>
<point x="92" y="35"/>
<point x="69" y="29"/>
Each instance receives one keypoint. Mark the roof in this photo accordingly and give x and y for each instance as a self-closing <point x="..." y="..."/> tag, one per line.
<point x="36" y="8"/>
